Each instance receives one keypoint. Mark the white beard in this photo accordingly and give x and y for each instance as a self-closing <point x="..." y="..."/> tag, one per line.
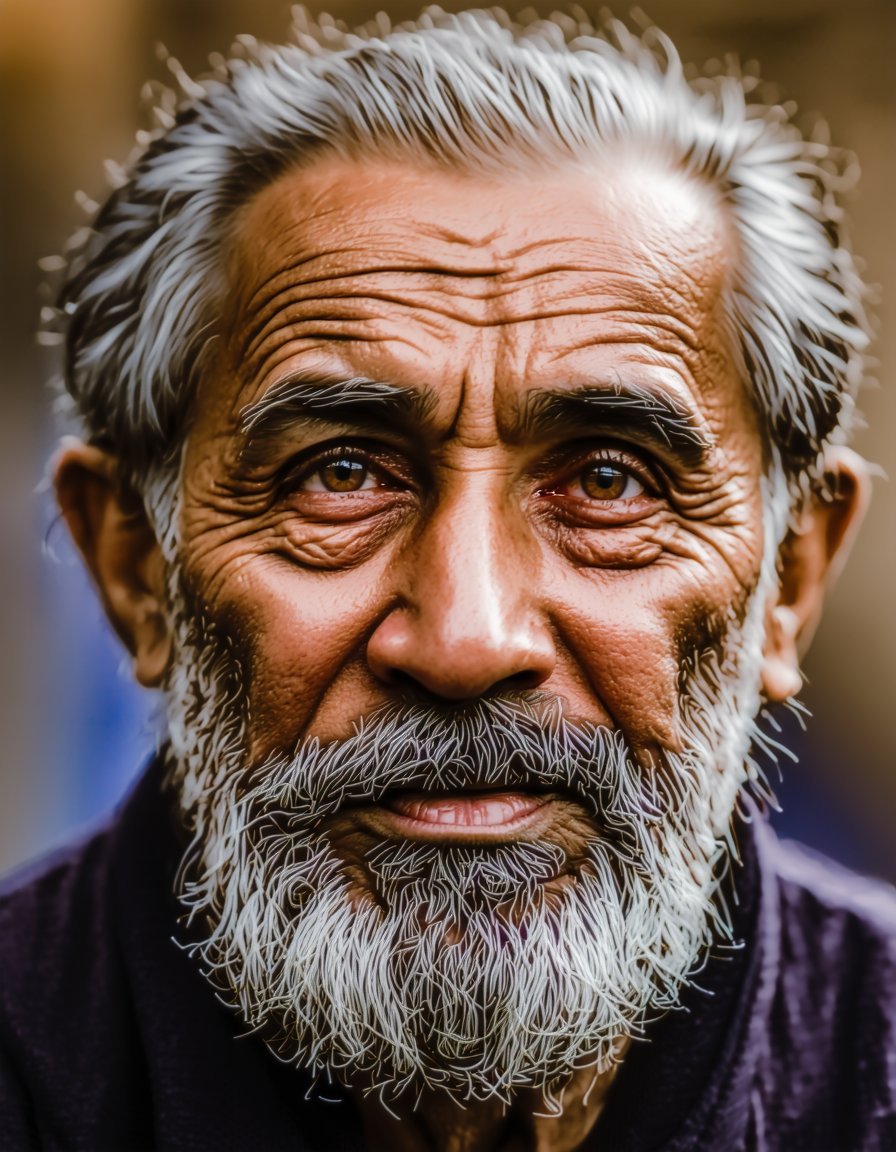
<point x="458" y="973"/>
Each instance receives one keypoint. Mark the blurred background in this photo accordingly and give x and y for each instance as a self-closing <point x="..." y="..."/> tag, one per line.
<point x="74" y="730"/>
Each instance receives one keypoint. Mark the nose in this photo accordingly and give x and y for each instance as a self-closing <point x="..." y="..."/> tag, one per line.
<point x="466" y="621"/>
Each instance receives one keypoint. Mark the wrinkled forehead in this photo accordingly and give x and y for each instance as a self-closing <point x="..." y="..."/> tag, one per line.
<point x="424" y="273"/>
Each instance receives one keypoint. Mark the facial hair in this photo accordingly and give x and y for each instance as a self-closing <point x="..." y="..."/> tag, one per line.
<point x="466" y="971"/>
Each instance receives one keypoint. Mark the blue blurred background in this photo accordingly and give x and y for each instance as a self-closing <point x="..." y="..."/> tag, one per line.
<point x="75" y="730"/>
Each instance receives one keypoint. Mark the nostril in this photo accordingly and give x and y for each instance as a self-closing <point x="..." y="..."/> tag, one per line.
<point x="412" y="690"/>
<point x="444" y="655"/>
<point x="406" y="682"/>
<point x="520" y="681"/>
<point x="418" y="689"/>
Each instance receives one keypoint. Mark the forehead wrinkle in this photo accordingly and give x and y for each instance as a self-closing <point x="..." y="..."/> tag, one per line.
<point x="310" y="339"/>
<point x="269" y="316"/>
<point x="263" y="296"/>
<point x="653" y="334"/>
<point x="260" y="318"/>
<point x="287" y="331"/>
<point x="500" y="277"/>
<point x="497" y="280"/>
<point x="495" y="284"/>
<point x="610" y="251"/>
<point x="275" y="337"/>
<point x="464" y="241"/>
<point x="282" y="330"/>
<point x="657" y="336"/>
<point x="463" y="255"/>
<point x="440" y="290"/>
<point x="640" y="303"/>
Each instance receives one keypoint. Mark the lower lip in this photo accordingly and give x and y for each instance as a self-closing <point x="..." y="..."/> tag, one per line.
<point x="476" y="816"/>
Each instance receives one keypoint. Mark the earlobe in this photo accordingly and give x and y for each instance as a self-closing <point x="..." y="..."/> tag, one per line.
<point x="781" y="676"/>
<point x="809" y="560"/>
<point x="108" y="523"/>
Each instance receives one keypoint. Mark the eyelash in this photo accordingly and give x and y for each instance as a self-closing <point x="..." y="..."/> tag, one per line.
<point x="563" y="474"/>
<point x="298" y="471"/>
<point x="370" y="456"/>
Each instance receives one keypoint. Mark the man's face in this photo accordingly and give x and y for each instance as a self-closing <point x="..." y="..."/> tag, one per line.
<point x="467" y="444"/>
<point x="554" y="483"/>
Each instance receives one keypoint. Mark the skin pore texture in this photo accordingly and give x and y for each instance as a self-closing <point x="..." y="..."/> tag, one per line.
<point x="473" y="296"/>
<point x="461" y="439"/>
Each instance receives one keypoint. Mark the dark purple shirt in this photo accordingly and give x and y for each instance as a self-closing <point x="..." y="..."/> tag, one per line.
<point x="111" y="1040"/>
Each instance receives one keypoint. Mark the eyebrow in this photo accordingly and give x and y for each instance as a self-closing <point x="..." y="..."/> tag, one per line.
<point x="299" y="400"/>
<point x="655" y="417"/>
<point x="627" y="409"/>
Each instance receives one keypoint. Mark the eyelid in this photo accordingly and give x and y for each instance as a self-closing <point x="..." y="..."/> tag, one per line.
<point x="567" y="469"/>
<point x="306" y="463"/>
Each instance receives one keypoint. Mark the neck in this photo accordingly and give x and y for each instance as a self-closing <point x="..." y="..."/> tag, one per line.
<point x="433" y="1122"/>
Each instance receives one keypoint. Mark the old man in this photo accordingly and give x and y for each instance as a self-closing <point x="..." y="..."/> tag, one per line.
<point x="464" y="415"/>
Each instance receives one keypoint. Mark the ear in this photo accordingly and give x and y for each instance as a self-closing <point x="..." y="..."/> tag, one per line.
<point x="809" y="561"/>
<point x="108" y="523"/>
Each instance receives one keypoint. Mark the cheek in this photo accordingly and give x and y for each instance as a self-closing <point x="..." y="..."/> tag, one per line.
<point x="300" y="638"/>
<point x="634" y="633"/>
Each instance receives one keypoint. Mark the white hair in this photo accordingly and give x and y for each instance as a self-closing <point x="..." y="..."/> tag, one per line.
<point x="478" y="92"/>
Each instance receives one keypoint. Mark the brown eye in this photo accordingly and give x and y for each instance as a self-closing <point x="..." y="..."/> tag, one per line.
<point x="608" y="482"/>
<point x="342" y="474"/>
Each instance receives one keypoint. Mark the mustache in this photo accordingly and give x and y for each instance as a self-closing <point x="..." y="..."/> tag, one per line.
<point x="521" y="742"/>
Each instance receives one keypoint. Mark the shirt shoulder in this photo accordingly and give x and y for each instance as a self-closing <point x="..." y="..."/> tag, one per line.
<point x="42" y="886"/>
<point x="832" y="1024"/>
<point x="838" y="944"/>
<point x="52" y="920"/>
<point x="810" y="880"/>
<point x="64" y="1004"/>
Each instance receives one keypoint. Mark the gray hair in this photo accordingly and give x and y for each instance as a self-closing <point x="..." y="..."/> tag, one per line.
<point x="476" y="91"/>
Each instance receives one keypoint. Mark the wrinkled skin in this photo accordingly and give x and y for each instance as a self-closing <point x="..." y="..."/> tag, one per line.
<point x="471" y="559"/>
<point x="459" y="548"/>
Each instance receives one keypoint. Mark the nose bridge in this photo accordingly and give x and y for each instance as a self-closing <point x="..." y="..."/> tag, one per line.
<point x="467" y="587"/>
<point x="469" y="623"/>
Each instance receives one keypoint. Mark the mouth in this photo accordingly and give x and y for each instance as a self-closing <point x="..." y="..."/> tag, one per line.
<point x="465" y="817"/>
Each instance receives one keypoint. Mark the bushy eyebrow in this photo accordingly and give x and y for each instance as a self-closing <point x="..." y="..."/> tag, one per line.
<point x="299" y="400"/>
<point x="625" y="409"/>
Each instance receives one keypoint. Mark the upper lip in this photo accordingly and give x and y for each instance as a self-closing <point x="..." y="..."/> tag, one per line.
<point x="464" y="788"/>
<point x="444" y="792"/>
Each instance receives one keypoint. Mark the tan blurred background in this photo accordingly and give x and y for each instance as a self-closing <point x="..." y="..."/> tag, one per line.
<point x="70" y="76"/>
